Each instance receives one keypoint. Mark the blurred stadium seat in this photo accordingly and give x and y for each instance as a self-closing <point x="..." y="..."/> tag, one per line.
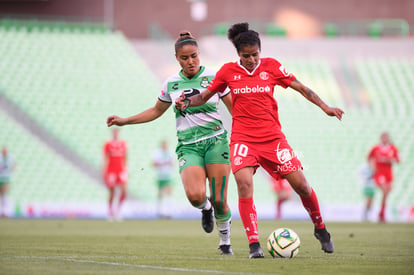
<point x="41" y="175"/>
<point x="70" y="77"/>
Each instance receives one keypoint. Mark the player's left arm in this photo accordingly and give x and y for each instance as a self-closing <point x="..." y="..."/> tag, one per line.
<point x="315" y="99"/>
<point x="396" y="155"/>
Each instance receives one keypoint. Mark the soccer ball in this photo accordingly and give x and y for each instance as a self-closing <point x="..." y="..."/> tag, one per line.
<point x="283" y="243"/>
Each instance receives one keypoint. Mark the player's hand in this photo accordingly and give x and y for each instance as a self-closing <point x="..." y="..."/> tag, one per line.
<point x="330" y="111"/>
<point x="179" y="102"/>
<point x="115" y="120"/>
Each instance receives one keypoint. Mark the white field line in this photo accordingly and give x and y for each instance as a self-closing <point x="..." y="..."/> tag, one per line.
<point x="155" y="267"/>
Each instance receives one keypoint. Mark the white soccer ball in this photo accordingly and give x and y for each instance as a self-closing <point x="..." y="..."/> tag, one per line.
<point x="283" y="243"/>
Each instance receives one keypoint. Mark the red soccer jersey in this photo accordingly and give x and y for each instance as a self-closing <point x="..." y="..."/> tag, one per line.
<point x="383" y="155"/>
<point x="115" y="151"/>
<point x="255" y="110"/>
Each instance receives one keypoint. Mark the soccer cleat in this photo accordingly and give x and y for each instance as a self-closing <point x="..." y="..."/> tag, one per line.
<point x="325" y="239"/>
<point x="225" y="249"/>
<point x="255" y="251"/>
<point x="207" y="220"/>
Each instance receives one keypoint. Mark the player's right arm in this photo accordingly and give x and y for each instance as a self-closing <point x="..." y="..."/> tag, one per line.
<point x="181" y="103"/>
<point x="218" y="84"/>
<point x="148" y="115"/>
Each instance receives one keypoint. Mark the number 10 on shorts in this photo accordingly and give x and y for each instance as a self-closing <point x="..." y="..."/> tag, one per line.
<point x="240" y="150"/>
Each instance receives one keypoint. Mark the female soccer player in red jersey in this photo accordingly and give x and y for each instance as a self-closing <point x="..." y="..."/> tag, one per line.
<point x="383" y="155"/>
<point x="115" y="172"/>
<point x="257" y="139"/>
<point x="283" y="192"/>
<point x="202" y="149"/>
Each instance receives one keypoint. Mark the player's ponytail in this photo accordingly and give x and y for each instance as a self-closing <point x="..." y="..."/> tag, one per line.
<point x="240" y="35"/>
<point x="185" y="38"/>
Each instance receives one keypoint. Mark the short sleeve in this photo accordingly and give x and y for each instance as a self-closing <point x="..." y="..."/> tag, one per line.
<point x="284" y="77"/>
<point x="165" y="96"/>
<point x="224" y="93"/>
<point x="219" y="84"/>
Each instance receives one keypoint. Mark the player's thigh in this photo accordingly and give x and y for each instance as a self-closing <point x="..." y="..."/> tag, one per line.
<point x="194" y="183"/>
<point x="110" y="179"/>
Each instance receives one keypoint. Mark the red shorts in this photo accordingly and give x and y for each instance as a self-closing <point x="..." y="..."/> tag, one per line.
<point x="383" y="178"/>
<point x="115" y="178"/>
<point x="276" y="157"/>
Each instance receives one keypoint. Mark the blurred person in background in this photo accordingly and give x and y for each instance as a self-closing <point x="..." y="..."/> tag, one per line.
<point x="7" y="166"/>
<point x="366" y="174"/>
<point x="257" y="138"/>
<point x="283" y="192"/>
<point x="383" y="155"/>
<point x="115" y="174"/>
<point x="202" y="149"/>
<point x="163" y="161"/>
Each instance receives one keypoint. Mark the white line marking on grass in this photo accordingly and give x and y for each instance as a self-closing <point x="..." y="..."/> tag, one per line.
<point x="155" y="267"/>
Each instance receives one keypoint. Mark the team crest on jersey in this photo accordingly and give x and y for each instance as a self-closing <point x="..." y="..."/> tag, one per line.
<point x="204" y="82"/>
<point x="264" y="76"/>
<point x="284" y="71"/>
<point x="238" y="161"/>
<point x="182" y="162"/>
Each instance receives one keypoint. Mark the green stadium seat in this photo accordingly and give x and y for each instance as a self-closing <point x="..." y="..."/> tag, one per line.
<point x="69" y="77"/>
<point x="275" y="30"/>
<point x="220" y="29"/>
<point x="331" y="30"/>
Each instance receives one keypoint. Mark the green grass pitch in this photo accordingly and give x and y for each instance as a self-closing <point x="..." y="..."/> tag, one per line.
<point x="181" y="247"/>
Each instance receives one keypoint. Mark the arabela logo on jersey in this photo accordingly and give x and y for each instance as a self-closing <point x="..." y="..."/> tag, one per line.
<point x="264" y="76"/>
<point x="248" y="90"/>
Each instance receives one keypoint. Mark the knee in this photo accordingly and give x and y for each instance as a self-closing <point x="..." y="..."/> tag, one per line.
<point x="244" y="188"/>
<point x="196" y="198"/>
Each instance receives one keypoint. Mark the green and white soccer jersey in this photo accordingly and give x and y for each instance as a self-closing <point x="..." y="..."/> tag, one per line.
<point x="195" y="123"/>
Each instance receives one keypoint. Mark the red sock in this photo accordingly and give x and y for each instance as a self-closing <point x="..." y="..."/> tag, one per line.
<point x="312" y="206"/>
<point x="382" y="211"/>
<point x="121" y="199"/>
<point x="279" y="208"/>
<point x="110" y="200"/>
<point x="248" y="216"/>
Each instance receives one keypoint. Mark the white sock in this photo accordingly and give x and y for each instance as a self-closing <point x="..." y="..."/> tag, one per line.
<point x="206" y="205"/>
<point x="224" y="232"/>
<point x="166" y="204"/>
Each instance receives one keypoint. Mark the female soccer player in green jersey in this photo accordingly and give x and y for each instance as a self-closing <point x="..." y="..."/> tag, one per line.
<point x="202" y="149"/>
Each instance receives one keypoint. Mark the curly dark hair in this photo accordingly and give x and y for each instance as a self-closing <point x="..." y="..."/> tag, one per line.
<point x="240" y="35"/>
